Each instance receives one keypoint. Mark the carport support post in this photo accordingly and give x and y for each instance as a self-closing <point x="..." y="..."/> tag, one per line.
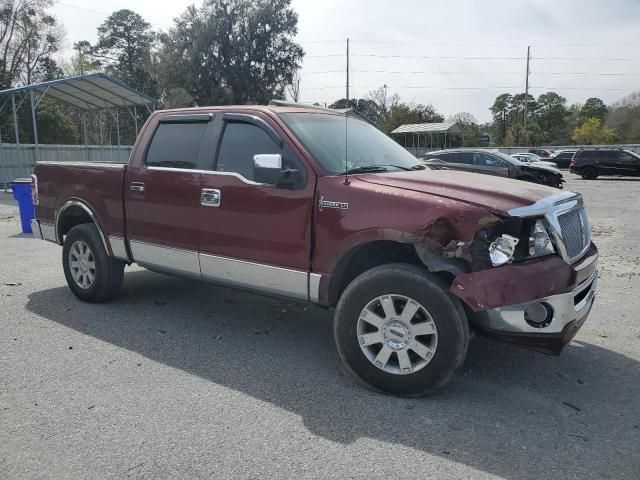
<point x="35" y="126"/>
<point x="84" y="128"/>
<point x="118" y="127"/>
<point x="15" y="118"/>
<point x="135" y="119"/>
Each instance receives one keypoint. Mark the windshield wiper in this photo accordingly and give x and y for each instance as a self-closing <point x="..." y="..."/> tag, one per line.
<point x="377" y="168"/>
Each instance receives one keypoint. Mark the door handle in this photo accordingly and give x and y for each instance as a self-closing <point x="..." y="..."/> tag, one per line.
<point x="210" y="197"/>
<point x="136" y="187"/>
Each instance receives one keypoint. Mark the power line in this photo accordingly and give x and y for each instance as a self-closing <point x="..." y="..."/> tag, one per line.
<point x="435" y="57"/>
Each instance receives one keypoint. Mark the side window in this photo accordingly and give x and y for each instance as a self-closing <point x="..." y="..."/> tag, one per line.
<point x="445" y="157"/>
<point x="176" y="145"/>
<point x="486" y="160"/>
<point x="463" y="158"/>
<point x="623" y="156"/>
<point x="240" y="142"/>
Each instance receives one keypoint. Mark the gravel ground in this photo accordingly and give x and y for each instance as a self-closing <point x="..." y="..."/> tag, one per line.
<point x="180" y="379"/>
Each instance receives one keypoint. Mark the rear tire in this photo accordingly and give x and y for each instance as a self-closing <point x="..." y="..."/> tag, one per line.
<point x="589" y="173"/>
<point x="92" y="275"/>
<point x="404" y="353"/>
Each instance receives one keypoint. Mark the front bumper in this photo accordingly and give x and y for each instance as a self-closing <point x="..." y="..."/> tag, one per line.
<point x="568" y="311"/>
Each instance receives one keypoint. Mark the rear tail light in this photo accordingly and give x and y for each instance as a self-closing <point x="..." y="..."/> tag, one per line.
<point x="35" y="196"/>
<point x="573" y="162"/>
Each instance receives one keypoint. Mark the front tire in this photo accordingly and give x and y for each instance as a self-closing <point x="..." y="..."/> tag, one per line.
<point x="398" y="330"/>
<point x="92" y="275"/>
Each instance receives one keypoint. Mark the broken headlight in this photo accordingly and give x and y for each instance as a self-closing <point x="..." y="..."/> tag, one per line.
<point x="502" y="250"/>
<point x="539" y="240"/>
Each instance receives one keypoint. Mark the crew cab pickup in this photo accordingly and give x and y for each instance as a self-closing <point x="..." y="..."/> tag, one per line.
<point x="321" y="207"/>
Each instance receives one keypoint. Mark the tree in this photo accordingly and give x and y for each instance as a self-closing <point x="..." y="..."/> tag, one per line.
<point x="293" y="89"/>
<point x="463" y="119"/>
<point x="591" y="132"/>
<point x="500" y="110"/>
<point x="551" y="116"/>
<point x="29" y="36"/>
<point x="593" y="108"/>
<point x="125" y="42"/>
<point x="624" y="117"/>
<point x="232" y="51"/>
<point x="409" y="113"/>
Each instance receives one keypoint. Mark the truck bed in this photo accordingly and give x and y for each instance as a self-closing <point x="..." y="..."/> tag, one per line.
<point x="98" y="185"/>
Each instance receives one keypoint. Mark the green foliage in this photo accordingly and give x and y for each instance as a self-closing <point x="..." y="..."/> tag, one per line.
<point x="232" y="51"/>
<point x="591" y="132"/>
<point x="409" y="113"/>
<point x="593" y="108"/>
<point x="125" y="42"/>
<point x="624" y="118"/>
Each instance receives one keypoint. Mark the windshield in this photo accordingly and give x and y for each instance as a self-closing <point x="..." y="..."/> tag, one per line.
<point x="323" y="135"/>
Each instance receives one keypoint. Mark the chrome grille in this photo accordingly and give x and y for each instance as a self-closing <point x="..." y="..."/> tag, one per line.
<point x="573" y="229"/>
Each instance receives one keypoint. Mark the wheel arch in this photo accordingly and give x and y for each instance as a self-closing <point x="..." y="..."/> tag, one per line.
<point x="374" y="253"/>
<point x="75" y="212"/>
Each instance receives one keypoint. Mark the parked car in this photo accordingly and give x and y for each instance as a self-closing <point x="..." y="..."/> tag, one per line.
<point x="590" y="163"/>
<point x="258" y="198"/>
<point x="562" y="158"/>
<point x="541" y="152"/>
<point x="493" y="163"/>
<point x="533" y="158"/>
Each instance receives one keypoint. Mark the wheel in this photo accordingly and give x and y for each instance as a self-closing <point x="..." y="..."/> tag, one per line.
<point x="398" y="330"/>
<point x="92" y="275"/>
<point x="589" y="173"/>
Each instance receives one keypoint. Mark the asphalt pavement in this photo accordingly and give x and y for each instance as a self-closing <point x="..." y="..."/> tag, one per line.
<point x="181" y="379"/>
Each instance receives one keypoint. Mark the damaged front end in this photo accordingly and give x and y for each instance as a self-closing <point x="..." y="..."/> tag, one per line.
<point x="528" y="278"/>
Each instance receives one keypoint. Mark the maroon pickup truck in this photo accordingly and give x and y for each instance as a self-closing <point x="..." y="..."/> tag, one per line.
<point x="276" y="200"/>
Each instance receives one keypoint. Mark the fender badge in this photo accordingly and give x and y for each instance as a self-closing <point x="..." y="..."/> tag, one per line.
<point x="328" y="204"/>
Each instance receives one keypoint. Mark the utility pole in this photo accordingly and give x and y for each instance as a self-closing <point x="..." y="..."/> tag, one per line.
<point x="526" y="92"/>
<point x="347" y="73"/>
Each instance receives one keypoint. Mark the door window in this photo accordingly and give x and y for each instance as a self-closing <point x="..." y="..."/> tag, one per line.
<point x="176" y="145"/>
<point x="486" y="160"/>
<point x="241" y="141"/>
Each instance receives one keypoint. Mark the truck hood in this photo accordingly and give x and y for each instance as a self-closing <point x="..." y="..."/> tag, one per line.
<point x="496" y="194"/>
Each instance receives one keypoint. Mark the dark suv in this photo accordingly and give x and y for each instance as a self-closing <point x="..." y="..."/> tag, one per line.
<point x="493" y="163"/>
<point x="562" y="158"/>
<point x="593" y="162"/>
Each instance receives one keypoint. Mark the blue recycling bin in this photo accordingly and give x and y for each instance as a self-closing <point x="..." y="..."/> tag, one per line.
<point x="22" y="193"/>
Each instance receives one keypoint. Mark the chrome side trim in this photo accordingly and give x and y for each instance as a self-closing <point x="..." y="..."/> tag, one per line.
<point x="35" y="229"/>
<point x="85" y="164"/>
<point x="48" y="232"/>
<point x="314" y="287"/>
<point x="511" y="317"/>
<point x="255" y="276"/>
<point x="165" y="259"/>
<point x="86" y="208"/>
<point x="207" y="172"/>
<point x="119" y="248"/>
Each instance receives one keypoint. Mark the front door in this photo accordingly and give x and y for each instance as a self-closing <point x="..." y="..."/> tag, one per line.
<point x="255" y="234"/>
<point x="162" y="194"/>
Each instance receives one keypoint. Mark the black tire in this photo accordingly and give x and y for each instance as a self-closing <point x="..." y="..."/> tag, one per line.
<point x="428" y="290"/>
<point x="108" y="272"/>
<point x="589" y="173"/>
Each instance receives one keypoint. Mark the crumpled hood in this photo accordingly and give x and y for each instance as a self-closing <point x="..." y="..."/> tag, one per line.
<point x="546" y="168"/>
<point x="497" y="194"/>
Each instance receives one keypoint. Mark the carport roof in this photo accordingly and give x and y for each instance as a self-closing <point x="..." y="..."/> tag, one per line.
<point x="448" y="127"/>
<point x="95" y="91"/>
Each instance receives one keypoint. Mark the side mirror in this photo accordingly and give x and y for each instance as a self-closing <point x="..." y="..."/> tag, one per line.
<point x="267" y="168"/>
<point x="268" y="160"/>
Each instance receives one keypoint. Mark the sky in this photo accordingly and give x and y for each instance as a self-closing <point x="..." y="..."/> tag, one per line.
<point x="456" y="54"/>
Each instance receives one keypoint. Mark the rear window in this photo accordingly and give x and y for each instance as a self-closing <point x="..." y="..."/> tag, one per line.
<point x="176" y="145"/>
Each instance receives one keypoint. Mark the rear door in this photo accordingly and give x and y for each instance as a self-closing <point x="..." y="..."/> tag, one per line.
<point x="162" y="193"/>
<point x="255" y="234"/>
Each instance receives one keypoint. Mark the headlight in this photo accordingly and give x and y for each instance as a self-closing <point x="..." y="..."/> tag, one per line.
<point x="502" y="249"/>
<point x="539" y="240"/>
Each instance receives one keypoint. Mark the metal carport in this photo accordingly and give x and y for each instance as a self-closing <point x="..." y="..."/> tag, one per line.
<point x="417" y="129"/>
